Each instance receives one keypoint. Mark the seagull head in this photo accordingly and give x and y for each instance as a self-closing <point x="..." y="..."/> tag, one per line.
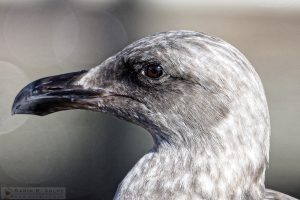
<point x="188" y="89"/>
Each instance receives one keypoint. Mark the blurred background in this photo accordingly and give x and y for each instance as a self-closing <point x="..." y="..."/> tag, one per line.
<point x="90" y="153"/>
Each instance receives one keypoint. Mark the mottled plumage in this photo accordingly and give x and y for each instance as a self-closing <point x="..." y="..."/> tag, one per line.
<point x="207" y="114"/>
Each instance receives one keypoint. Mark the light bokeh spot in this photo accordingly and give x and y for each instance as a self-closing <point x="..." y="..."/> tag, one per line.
<point x="12" y="80"/>
<point x="35" y="156"/>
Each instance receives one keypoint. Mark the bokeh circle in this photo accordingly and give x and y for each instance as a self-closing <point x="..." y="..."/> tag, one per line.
<point x="12" y="80"/>
<point x="36" y="153"/>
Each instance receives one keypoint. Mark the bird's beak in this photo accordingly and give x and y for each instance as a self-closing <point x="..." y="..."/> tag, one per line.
<point x="55" y="93"/>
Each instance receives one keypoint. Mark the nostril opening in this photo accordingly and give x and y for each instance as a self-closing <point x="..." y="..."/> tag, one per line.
<point x="54" y="88"/>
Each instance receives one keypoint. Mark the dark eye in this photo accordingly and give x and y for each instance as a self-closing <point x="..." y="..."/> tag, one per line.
<point x="153" y="71"/>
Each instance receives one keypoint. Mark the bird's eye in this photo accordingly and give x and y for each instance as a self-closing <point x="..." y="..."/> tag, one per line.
<point x="153" y="71"/>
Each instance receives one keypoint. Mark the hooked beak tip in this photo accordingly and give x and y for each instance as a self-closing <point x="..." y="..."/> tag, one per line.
<point x="46" y="95"/>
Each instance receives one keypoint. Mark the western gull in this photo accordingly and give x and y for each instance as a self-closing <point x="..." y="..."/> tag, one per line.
<point x="199" y="98"/>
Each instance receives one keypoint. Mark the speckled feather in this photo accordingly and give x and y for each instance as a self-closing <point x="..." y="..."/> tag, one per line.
<point x="208" y="117"/>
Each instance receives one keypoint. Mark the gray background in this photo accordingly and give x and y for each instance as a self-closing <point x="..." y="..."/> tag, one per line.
<point x="89" y="153"/>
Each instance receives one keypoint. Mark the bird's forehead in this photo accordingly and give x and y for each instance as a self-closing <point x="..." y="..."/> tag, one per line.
<point x="166" y="42"/>
<point x="168" y="48"/>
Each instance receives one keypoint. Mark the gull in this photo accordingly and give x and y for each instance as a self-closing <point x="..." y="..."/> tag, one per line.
<point x="199" y="98"/>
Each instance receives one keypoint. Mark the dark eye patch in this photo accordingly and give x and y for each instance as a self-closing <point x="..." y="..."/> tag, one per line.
<point x="146" y="70"/>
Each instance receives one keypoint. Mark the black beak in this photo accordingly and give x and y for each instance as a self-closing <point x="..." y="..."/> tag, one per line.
<point x="52" y="94"/>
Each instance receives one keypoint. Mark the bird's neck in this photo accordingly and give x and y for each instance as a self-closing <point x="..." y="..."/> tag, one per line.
<point x="173" y="173"/>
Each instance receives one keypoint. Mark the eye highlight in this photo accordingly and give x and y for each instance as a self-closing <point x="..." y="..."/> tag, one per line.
<point x="153" y="71"/>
